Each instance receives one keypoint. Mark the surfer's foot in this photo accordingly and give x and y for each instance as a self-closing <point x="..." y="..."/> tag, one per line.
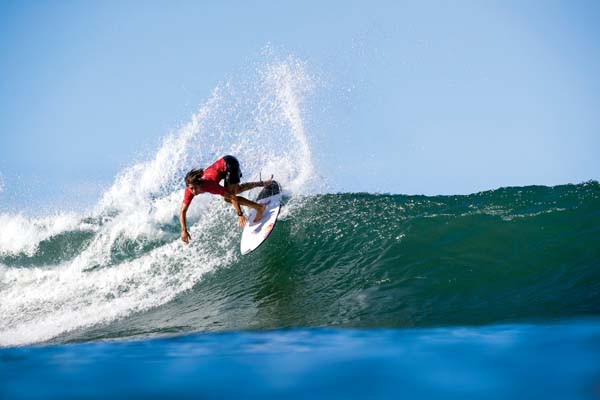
<point x="259" y="213"/>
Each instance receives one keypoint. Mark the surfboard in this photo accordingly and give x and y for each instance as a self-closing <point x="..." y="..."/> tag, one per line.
<point x="255" y="233"/>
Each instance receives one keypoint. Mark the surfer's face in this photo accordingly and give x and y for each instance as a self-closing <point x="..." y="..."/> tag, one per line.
<point x="195" y="189"/>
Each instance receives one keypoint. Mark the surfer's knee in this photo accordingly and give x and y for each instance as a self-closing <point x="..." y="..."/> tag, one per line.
<point x="234" y="188"/>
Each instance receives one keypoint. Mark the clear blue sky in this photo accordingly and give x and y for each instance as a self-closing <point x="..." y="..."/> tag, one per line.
<point x="418" y="97"/>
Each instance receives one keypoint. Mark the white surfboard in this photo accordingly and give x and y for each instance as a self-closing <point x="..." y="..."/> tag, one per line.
<point x="255" y="233"/>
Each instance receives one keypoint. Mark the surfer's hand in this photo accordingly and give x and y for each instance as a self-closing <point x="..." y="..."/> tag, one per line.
<point x="185" y="237"/>
<point x="241" y="221"/>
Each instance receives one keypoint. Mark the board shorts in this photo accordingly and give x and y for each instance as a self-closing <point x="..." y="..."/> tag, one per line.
<point x="233" y="174"/>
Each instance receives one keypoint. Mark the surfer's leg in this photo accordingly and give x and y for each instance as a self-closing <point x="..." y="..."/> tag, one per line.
<point x="236" y="188"/>
<point x="242" y="187"/>
<point x="233" y="175"/>
<point x="233" y="188"/>
<point x="260" y="208"/>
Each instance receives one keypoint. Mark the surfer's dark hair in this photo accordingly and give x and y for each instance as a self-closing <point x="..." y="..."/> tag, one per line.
<point x="193" y="177"/>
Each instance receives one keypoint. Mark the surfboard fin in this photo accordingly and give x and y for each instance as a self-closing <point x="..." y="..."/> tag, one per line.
<point x="260" y="178"/>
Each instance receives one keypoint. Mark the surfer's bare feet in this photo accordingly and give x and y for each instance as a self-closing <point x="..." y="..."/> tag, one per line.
<point x="259" y="213"/>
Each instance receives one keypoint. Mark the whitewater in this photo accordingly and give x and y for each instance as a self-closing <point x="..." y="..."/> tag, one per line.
<point x="66" y="271"/>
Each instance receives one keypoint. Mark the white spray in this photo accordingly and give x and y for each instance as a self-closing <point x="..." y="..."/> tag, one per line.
<point x="258" y="121"/>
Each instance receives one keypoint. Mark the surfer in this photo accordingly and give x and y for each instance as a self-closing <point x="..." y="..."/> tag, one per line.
<point x="207" y="181"/>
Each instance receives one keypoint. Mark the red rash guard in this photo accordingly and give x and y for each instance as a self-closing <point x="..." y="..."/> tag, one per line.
<point x="209" y="183"/>
<point x="216" y="171"/>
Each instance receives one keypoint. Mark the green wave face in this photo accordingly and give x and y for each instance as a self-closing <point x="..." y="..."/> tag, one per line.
<point x="363" y="260"/>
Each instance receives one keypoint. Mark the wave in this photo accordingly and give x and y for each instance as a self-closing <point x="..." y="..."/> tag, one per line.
<point x="353" y="260"/>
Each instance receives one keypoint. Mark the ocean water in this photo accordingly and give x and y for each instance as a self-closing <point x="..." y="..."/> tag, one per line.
<point x="541" y="361"/>
<point x="355" y="295"/>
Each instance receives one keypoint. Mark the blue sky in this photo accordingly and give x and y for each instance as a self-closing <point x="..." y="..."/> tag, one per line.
<point x="418" y="97"/>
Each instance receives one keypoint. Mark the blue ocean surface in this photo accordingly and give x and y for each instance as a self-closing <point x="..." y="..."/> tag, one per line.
<point x="534" y="361"/>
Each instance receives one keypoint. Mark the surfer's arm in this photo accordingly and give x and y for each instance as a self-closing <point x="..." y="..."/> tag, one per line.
<point x="185" y="236"/>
